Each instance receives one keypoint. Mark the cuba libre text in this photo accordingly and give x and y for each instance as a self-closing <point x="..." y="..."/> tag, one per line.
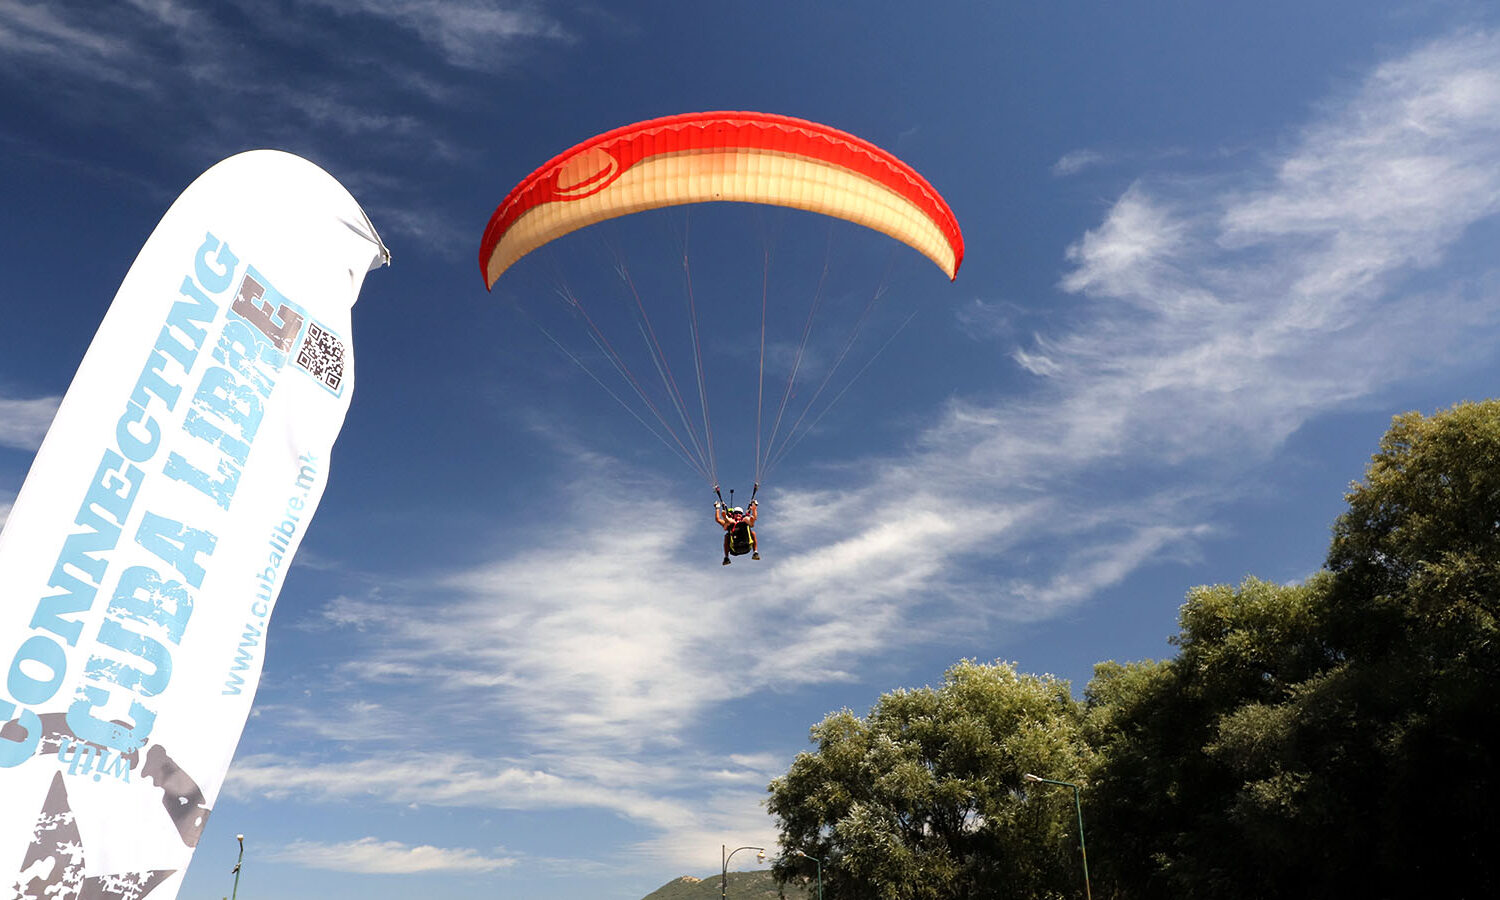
<point x="222" y="377"/>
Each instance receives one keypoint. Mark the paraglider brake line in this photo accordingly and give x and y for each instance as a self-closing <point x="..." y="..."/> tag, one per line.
<point x="679" y="449"/>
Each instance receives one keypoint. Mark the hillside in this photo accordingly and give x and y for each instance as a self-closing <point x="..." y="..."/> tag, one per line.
<point x="742" y="886"/>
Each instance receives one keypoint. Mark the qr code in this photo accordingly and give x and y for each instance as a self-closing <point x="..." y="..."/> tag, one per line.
<point x="322" y="355"/>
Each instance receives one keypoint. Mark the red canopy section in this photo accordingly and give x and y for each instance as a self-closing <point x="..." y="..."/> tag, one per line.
<point x="722" y="156"/>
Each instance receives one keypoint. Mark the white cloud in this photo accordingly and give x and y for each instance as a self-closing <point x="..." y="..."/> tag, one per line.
<point x="43" y="33"/>
<point x="687" y="844"/>
<point x="23" y="423"/>
<point x="1391" y="178"/>
<point x="1076" y="161"/>
<point x="442" y="779"/>
<point x="472" y="35"/>
<point x="1257" y="308"/>
<point x="650" y="794"/>
<point x="1212" y="339"/>
<point x="221" y="102"/>
<point x="1037" y="363"/>
<point x="1220" y="316"/>
<point x="1107" y="565"/>
<point x="376" y="857"/>
<point x="1128" y="251"/>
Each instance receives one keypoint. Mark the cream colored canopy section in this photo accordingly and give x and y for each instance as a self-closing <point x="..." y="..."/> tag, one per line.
<point x="708" y="157"/>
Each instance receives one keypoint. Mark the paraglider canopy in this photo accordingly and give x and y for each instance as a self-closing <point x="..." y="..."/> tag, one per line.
<point x="703" y="157"/>
<point x="721" y="156"/>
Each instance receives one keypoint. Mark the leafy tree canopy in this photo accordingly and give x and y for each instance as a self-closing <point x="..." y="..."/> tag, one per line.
<point x="923" y="797"/>
<point x="1329" y="738"/>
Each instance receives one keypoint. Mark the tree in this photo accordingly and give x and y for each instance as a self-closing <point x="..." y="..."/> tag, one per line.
<point x="1184" y="747"/>
<point x="1330" y="738"/>
<point x="1418" y="553"/>
<point x="922" y="799"/>
<point x="1405" y="718"/>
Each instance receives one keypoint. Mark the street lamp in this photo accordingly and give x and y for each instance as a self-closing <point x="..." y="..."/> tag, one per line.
<point x="724" y="875"/>
<point x="817" y="862"/>
<point x="236" y="891"/>
<point x="1078" y="804"/>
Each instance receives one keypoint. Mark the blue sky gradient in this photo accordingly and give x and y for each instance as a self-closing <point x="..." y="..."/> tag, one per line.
<point x="1211" y="251"/>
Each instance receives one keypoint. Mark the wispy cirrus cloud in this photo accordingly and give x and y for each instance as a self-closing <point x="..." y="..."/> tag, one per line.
<point x="472" y="34"/>
<point x="666" y="795"/>
<point x="1075" y="161"/>
<point x="23" y="423"/>
<point x="1227" y="312"/>
<point x="446" y="779"/>
<point x="1220" y="316"/>
<point x="1224" y="315"/>
<point x="48" y="35"/>
<point x="373" y="856"/>
<point x="72" y="65"/>
<point x="71" y="37"/>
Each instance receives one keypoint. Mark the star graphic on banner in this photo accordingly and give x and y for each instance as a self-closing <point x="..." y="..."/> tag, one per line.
<point x="53" y="869"/>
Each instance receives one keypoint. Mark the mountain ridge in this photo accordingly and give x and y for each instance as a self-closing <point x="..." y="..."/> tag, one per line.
<point x="742" y="886"/>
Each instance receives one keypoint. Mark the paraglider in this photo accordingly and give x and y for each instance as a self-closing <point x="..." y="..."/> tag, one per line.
<point x="721" y="156"/>
<point x="739" y="529"/>
<point x="706" y="157"/>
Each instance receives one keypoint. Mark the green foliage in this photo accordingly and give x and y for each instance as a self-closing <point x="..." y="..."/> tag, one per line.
<point x="1331" y="738"/>
<point x="922" y="799"/>
<point x="1177" y="742"/>
<point x="1404" y="719"/>
<point x="1418" y="552"/>
<point x="1328" y="738"/>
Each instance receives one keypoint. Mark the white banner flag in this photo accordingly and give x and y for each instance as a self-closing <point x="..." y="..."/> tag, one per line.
<point x="142" y="558"/>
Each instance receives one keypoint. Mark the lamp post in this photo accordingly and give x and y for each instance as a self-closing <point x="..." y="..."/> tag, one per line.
<point x="724" y="875"/>
<point x="1077" y="804"/>
<point x="817" y="862"/>
<point x="233" y="894"/>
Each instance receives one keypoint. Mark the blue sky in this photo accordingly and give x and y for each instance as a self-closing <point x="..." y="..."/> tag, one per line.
<point x="1211" y="251"/>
